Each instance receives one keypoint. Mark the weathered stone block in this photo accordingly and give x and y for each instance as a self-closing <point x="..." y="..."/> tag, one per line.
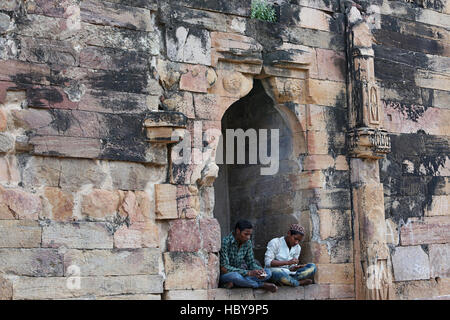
<point x="189" y="45"/>
<point x="31" y="262"/>
<point x="181" y="102"/>
<point x="410" y="263"/>
<point x="99" y="204"/>
<point x="80" y="235"/>
<point x="314" y="252"/>
<point x="317" y="142"/>
<point x="58" y="288"/>
<point x="178" y="265"/>
<point x="75" y="147"/>
<point x="318" y="162"/>
<point x="210" y="234"/>
<point x="143" y="234"/>
<point x="334" y="223"/>
<point x="444" y="286"/>
<point x="327" y="93"/>
<point x="120" y="38"/>
<point x="340" y="291"/>
<point x="439" y="260"/>
<point x="50" y="52"/>
<point x="188" y="202"/>
<point x="118" y="15"/>
<point x="331" y="65"/>
<point x="113" y="263"/>
<point x="6" y="289"/>
<point x="5" y="21"/>
<point x="184" y="235"/>
<point x="112" y="59"/>
<point x="3" y="121"/>
<point x="9" y="69"/>
<point x="132" y="297"/>
<point x="72" y="173"/>
<point x="283" y="293"/>
<point x="39" y="171"/>
<point x="317" y="292"/>
<point x="9" y="5"/>
<point x="213" y="267"/>
<point x="22" y="205"/>
<point x="439" y="206"/>
<point x="314" y="19"/>
<point x="236" y="48"/>
<point x="118" y="102"/>
<point x="20" y="234"/>
<point x="430" y="230"/>
<point x="135" y="176"/>
<point x="335" y="273"/>
<point x="186" y="295"/>
<point x="166" y="201"/>
<point x="6" y="142"/>
<point x="234" y="294"/>
<point x="60" y="204"/>
<point x="411" y="290"/>
<point x="194" y="78"/>
<point x="307" y="180"/>
<point x="341" y="163"/>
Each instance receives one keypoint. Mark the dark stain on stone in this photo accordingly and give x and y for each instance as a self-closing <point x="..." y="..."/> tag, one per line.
<point x="410" y="111"/>
<point x="409" y="42"/>
<point x="268" y="34"/>
<point x="114" y="103"/>
<point x="27" y="78"/>
<point x="62" y="120"/>
<point x="43" y="97"/>
<point x="126" y="138"/>
<point x="409" y="193"/>
<point x="119" y="81"/>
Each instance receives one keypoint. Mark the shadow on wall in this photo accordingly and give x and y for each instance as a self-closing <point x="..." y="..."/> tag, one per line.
<point x="241" y="192"/>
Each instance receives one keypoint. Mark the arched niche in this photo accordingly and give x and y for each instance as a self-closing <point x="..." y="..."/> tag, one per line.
<point x="271" y="202"/>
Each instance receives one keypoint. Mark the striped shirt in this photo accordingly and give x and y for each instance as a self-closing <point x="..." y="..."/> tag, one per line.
<point x="235" y="258"/>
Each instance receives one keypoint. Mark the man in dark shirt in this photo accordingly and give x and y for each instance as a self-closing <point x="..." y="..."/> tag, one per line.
<point x="237" y="262"/>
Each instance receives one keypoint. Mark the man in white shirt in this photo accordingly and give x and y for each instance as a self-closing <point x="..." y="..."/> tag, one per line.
<point x="282" y="258"/>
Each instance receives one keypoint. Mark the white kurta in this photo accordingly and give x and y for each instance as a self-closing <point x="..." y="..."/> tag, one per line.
<point x="277" y="249"/>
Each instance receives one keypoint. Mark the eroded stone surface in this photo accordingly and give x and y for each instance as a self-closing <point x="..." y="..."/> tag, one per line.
<point x="410" y="263"/>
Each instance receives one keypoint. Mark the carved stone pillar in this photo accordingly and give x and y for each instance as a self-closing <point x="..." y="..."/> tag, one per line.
<point x="367" y="142"/>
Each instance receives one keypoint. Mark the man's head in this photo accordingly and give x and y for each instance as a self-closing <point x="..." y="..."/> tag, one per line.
<point x="243" y="231"/>
<point x="295" y="235"/>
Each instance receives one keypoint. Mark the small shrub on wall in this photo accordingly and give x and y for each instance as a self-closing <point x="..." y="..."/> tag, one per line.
<point x="263" y="11"/>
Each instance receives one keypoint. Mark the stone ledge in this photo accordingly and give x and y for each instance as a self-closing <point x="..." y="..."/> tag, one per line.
<point x="310" y="292"/>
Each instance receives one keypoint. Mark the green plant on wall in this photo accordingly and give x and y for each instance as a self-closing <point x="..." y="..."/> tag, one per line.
<point x="263" y="11"/>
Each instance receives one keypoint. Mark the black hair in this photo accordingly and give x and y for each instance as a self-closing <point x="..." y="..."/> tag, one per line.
<point x="294" y="232"/>
<point x="243" y="224"/>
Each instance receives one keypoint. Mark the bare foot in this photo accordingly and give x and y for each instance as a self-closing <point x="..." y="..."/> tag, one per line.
<point x="270" y="287"/>
<point x="305" y="282"/>
<point x="228" y="285"/>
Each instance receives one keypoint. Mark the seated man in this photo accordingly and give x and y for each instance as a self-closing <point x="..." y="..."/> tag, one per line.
<point x="282" y="259"/>
<point x="237" y="250"/>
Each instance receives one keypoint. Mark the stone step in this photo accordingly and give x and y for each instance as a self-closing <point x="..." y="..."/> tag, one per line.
<point x="310" y="292"/>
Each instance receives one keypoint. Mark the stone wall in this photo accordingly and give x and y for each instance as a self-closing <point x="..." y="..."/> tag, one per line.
<point x="412" y="65"/>
<point x="92" y="202"/>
